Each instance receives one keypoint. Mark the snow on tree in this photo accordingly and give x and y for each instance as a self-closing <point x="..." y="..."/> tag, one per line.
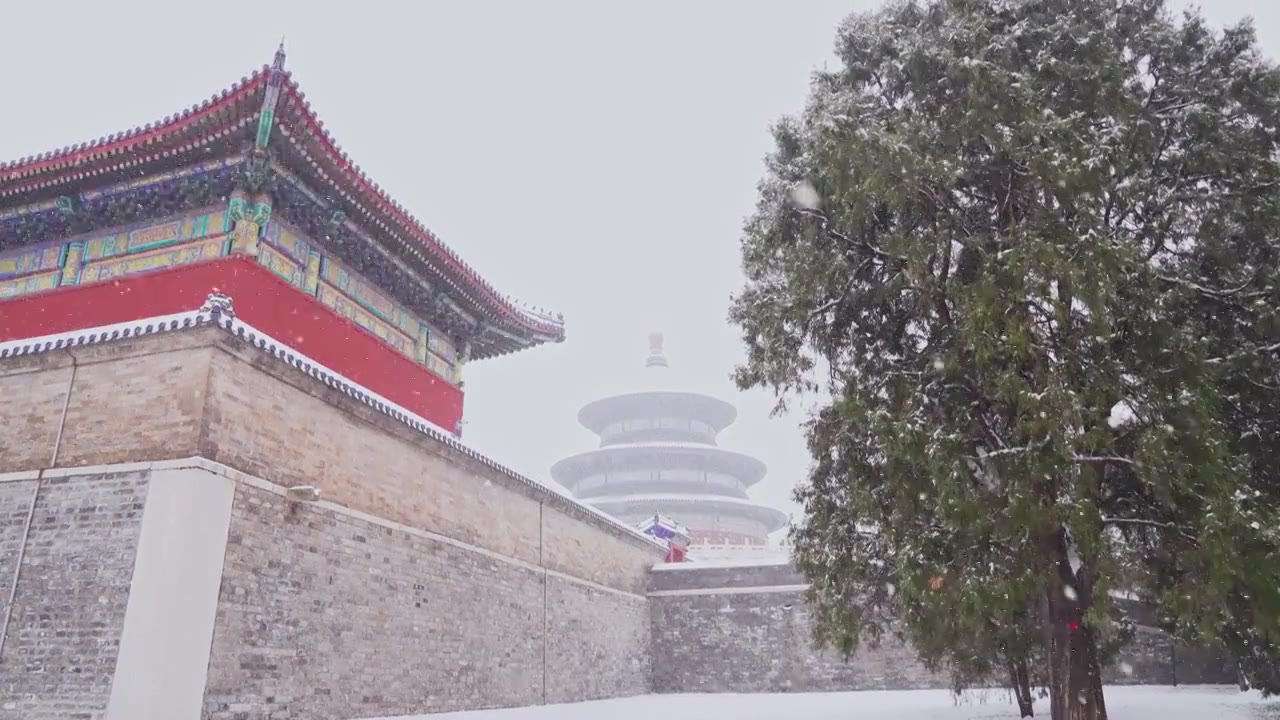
<point x="1025" y="252"/>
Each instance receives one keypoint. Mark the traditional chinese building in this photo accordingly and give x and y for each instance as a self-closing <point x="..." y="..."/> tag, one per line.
<point x="658" y="455"/>
<point x="225" y="358"/>
<point x="668" y="531"/>
<point x="247" y="194"/>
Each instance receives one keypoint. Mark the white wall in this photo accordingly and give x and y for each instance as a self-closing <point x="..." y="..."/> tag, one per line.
<point x="168" y="623"/>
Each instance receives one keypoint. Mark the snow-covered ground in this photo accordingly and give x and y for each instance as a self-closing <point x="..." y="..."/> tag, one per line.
<point x="1123" y="703"/>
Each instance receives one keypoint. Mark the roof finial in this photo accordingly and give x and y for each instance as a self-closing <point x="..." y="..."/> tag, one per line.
<point x="656" y="357"/>
<point x="279" y="61"/>
<point x="267" y="118"/>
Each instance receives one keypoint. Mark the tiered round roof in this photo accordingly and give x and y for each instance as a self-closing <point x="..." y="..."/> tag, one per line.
<point x="658" y="454"/>
<point x="232" y="118"/>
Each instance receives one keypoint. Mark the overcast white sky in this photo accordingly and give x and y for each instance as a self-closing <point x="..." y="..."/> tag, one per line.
<point x="595" y="158"/>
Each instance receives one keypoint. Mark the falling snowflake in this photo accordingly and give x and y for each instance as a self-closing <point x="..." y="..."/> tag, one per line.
<point x="1121" y="414"/>
<point x="805" y="196"/>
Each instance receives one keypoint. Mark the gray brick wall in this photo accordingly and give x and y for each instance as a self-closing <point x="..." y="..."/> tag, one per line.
<point x="323" y="615"/>
<point x="1147" y="660"/>
<point x="267" y="419"/>
<point x="739" y="630"/>
<point x="598" y="643"/>
<point x="1153" y="658"/>
<point x="15" y="503"/>
<point x="689" y="576"/>
<point x="60" y="655"/>
<point x="760" y="642"/>
<point x="1198" y="665"/>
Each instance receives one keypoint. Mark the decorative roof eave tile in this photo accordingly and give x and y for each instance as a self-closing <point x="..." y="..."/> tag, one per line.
<point x="449" y="275"/>
<point x="321" y="170"/>
<point x="218" y="312"/>
<point x="115" y="144"/>
<point x="125" y="163"/>
<point x="354" y="186"/>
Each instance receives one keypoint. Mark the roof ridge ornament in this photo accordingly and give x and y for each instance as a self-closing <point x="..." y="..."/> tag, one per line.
<point x="218" y="305"/>
<point x="267" y="118"/>
<point x="656" y="357"/>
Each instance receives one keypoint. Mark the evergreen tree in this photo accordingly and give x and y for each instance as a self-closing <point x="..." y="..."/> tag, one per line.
<point x="1025" y="254"/>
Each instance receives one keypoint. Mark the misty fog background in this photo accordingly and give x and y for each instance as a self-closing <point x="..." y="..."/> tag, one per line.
<point x="593" y="158"/>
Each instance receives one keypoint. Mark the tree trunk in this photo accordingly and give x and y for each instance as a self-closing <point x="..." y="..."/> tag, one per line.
<point x="1075" y="675"/>
<point x="1020" y="683"/>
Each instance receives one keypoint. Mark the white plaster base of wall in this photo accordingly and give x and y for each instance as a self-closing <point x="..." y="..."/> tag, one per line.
<point x="173" y="599"/>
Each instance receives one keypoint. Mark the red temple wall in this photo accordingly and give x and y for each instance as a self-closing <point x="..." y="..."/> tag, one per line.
<point x="261" y="299"/>
<point x="202" y="234"/>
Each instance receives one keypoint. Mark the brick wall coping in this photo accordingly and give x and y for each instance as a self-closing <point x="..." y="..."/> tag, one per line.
<point x="752" y="590"/>
<point x="218" y="312"/>
<point x="736" y="577"/>
<point x="694" y="565"/>
<point x="764" y="577"/>
<point x="238" y="476"/>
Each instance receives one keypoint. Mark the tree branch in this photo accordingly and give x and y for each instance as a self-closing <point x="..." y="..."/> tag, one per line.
<point x="1214" y="292"/>
<point x="1265" y="348"/>
<point x="1107" y="459"/>
<point x="1153" y="523"/>
<point x="848" y="288"/>
<point x="825" y="221"/>
<point x="1139" y="521"/>
<point x="1006" y="450"/>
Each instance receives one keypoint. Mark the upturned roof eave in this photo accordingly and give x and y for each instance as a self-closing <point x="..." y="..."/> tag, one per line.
<point x="46" y="172"/>
<point x="382" y="211"/>
<point x="114" y="144"/>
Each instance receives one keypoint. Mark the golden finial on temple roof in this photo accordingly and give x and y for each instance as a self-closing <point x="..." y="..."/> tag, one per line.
<point x="656" y="358"/>
<point x="655" y="342"/>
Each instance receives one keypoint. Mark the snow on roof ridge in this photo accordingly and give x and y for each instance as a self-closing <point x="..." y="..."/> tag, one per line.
<point x="102" y="333"/>
<point x="17" y="168"/>
<point x="218" y="311"/>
